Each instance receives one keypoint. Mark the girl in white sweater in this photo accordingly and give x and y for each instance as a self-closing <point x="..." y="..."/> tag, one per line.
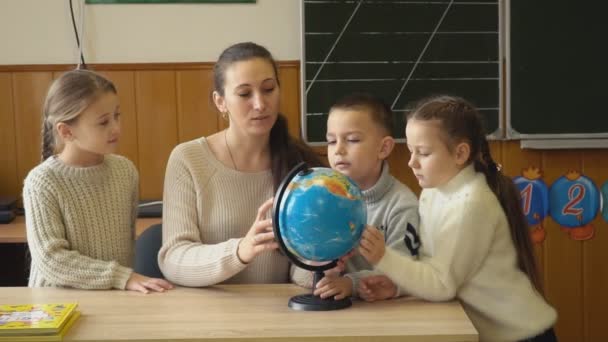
<point x="475" y="240"/>
<point x="81" y="201"/>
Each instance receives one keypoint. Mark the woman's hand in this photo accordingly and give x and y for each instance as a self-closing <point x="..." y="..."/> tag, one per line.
<point x="372" y="246"/>
<point x="377" y="287"/>
<point x="141" y="283"/>
<point x="259" y="238"/>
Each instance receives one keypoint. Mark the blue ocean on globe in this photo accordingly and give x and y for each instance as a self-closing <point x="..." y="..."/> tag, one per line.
<point x="321" y="215"/>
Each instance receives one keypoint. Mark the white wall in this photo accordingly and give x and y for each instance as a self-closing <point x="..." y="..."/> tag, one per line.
<point x="40" y="31"/>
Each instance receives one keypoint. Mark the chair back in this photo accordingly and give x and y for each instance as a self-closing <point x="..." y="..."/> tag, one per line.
<point x="147" y="246"/>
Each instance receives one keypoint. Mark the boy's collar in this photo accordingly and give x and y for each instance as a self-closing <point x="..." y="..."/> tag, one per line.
<point x="381" y="186"/>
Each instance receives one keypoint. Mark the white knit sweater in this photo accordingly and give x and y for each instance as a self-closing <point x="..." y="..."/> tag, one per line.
<point x="207" y="209"/>
<point x="467" y="253"/>
<point x="81" y="223"/>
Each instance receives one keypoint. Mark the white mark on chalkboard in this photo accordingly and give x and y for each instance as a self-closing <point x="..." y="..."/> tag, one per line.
<point x="403" y="62"/>
<point x="411" y="79"/>
<point x="334" y="45"/>
<point x="403" y="33"/>
<point x="428" y="42"/>
<point x="478" y="108"/>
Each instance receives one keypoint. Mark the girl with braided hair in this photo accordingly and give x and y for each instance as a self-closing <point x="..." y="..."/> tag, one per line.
<point x="81" y="201"/>
<point x="475" y="240"/>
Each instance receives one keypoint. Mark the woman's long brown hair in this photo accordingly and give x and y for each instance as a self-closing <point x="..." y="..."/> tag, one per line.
<point x="285" y="151"/>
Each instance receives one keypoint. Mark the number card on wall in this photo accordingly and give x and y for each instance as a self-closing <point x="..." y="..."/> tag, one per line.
<point x="574" y="203"/>
<point x="535" y="201"/>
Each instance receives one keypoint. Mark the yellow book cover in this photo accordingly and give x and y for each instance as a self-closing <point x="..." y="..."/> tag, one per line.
<point x="44" y="338"/>
<point x="34" y="319"/>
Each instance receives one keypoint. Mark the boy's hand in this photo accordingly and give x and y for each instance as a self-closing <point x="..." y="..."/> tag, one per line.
<point x="143" y="284"/>
<point x="339" y="287"/>
<point x="372" y="246"/>
<point x="378" y="287"/>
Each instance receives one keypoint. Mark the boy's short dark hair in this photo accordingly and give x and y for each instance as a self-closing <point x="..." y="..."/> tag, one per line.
<point x="380" y="112"/>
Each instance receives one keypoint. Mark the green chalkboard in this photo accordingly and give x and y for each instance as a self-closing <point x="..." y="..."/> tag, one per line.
<point x="557" y="57"/>
<point x="400" y="51"/>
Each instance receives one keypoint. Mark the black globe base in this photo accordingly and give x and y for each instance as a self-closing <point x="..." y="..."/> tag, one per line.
<point x="310" y="302"/>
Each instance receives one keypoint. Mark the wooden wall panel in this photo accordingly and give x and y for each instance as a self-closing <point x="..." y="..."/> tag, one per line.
<point x="29" y="92"/>
<point x="124" y="81"/>
<point x="156" y="128"/>
<point x="595" y="256"/>
<point x="196" y="113"/>
<point x="563" y="256"/>
<point x="289" y="77"/>
<point x="496" y="151"/>
<point x="398" y="162"/>
<point x="164" y="104"/>
<point x="9" y="182"/>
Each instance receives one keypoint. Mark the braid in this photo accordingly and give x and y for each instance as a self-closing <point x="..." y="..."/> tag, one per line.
<point x="48" y="140"/>
<point x="490" y="167"/>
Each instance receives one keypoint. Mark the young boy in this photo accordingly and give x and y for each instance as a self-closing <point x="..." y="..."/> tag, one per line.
<point x="359" y="140"/>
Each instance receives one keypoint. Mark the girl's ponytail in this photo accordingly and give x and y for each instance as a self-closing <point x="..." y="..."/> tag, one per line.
<point x="510" y="201"/>
<point x="48" y="140"/>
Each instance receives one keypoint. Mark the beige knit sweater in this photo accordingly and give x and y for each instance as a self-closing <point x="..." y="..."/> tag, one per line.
<point x="207" y="209"/>
<point x="81" y="223"/>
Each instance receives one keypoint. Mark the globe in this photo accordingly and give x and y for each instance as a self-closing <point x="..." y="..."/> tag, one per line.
<point x="319" y="216"/>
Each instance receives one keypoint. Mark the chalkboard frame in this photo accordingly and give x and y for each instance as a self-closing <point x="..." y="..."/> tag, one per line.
<point x="498" y="134"/>
<point x="511" y="133"/>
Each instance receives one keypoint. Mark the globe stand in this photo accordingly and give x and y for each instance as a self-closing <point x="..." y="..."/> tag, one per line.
<point x="305" y="302"/>
<point x="310" y="302"/>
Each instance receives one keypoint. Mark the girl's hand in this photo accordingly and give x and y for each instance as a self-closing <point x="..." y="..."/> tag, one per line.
<point x="372" y="246"/>
<point x="259" y="238"/>
<point x="378" y="287"/>
<point x="339" y="287"/>
<point x="346" y="257"/>
<point x="336" y="270"/>
<point x="141" y="283"/>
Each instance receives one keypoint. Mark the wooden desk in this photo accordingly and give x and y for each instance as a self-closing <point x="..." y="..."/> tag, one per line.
<point x="246" y="313"/>
<point x="14" y="232"/>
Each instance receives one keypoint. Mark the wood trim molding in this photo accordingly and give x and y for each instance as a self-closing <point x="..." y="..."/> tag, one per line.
<point x="125" y="66"/>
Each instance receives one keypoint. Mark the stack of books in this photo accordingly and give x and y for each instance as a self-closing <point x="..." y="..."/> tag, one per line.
<point x="36" y="322"/>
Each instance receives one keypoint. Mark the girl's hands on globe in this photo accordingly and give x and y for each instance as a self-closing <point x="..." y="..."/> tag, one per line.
<point x="336" y="286"/>
<point x="372" y="246"/>
<point x="378" y="287"/>
<point x="259" y="238"/>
